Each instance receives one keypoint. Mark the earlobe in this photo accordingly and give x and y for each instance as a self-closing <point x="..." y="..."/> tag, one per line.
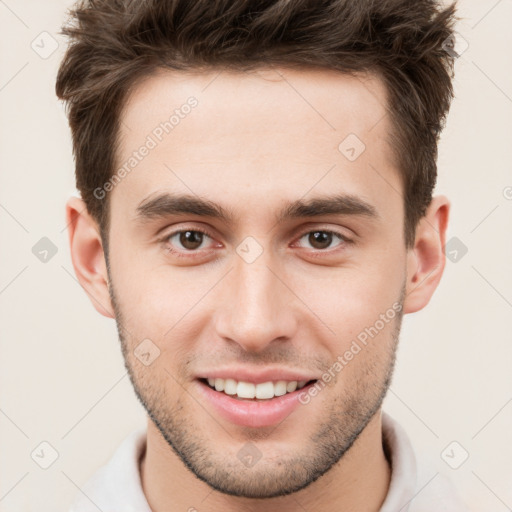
<point x="426" y="260"/>
<point x="87" y="255"/>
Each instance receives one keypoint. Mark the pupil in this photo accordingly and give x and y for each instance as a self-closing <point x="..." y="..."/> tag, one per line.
<point x="191" y="242"/>
<point x="320" y="237"/>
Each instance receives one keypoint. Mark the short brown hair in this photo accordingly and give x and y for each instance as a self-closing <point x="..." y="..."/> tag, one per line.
<point x="115" y="43"/>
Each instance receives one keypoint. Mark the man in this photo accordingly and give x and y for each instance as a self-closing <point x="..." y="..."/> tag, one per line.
<point x="256" y="213"/>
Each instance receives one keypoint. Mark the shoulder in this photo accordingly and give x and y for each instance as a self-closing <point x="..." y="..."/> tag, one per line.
<point x="116" y="485"/>
<point x="416" y="484"/>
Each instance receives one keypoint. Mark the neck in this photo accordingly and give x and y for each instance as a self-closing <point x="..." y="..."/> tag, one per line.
<point x="359" y="481"/>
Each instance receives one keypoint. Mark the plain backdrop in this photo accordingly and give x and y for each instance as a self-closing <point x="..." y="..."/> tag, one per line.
<point x="62" y="377"/>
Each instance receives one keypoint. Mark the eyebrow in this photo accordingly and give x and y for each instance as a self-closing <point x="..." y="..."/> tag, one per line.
<point x="167" y="204"/>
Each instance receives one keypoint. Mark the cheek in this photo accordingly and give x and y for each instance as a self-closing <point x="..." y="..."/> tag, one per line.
<point x="350" y="299"/>
<point x="160" y="303"/>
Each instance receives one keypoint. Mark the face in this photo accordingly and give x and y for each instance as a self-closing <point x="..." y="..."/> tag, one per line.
<point x="303" y="274"/>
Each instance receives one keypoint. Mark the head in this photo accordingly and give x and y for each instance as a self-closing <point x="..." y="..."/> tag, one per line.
<point x="256" y="191"/>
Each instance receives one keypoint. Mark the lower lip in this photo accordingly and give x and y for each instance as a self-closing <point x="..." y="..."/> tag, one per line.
<point x="251" y="413"/>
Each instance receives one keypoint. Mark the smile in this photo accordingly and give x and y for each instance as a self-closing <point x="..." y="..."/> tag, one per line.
<point x="249" y="410"/>
<point x="249" y="391"/>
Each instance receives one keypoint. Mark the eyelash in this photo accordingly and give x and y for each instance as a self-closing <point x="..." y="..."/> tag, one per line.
<point x="317" y="252"/>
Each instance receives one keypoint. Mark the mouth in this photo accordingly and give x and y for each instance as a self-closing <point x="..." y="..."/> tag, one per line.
<point x="254" y="411"/>
<point x="249" y="392"/>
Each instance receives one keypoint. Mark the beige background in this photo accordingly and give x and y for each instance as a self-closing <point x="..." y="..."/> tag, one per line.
<point x="62" y="377"/>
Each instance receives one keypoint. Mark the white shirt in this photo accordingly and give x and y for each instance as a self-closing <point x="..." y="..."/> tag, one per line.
<point x="116" y="486"/>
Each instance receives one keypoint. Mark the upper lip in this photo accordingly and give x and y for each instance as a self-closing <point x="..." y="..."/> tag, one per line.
<point x="257" y="376"/>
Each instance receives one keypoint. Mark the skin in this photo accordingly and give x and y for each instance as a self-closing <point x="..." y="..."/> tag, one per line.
<point x="253" y="144"/>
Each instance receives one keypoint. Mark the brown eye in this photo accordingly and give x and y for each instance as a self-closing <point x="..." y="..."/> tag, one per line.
<point x="320" y="239"/>
<point x="323" y="239"/>
<point x="188" y="240"/>
<point x="191" y="239"/>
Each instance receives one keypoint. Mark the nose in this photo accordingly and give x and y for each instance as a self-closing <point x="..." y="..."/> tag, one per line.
<point x="257" y="306"/>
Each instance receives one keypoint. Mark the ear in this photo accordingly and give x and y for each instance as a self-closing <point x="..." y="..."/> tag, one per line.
<point x="87" y="255"/>
<point x="426" y="260"/>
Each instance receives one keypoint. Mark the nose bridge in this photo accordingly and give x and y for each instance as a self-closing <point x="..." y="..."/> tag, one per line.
<point x="258" y="306"/>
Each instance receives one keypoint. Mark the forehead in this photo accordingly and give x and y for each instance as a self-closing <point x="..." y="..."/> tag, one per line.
<point x="250" y="138"/>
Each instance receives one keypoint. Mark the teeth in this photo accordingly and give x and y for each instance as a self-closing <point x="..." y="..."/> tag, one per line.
<point x="219" y="384"/>
<point x="280" y="388"/>
<point x="291" y="386"/>
<point x="264" y="390"/>
<point x="230" y="387"/>
<point x="248" y="390"/>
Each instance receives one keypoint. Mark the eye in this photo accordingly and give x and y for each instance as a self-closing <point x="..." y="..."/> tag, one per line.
<point x="192" y="241"/>
<point x="322" y="239"/>
<point x="186" y="240"/>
